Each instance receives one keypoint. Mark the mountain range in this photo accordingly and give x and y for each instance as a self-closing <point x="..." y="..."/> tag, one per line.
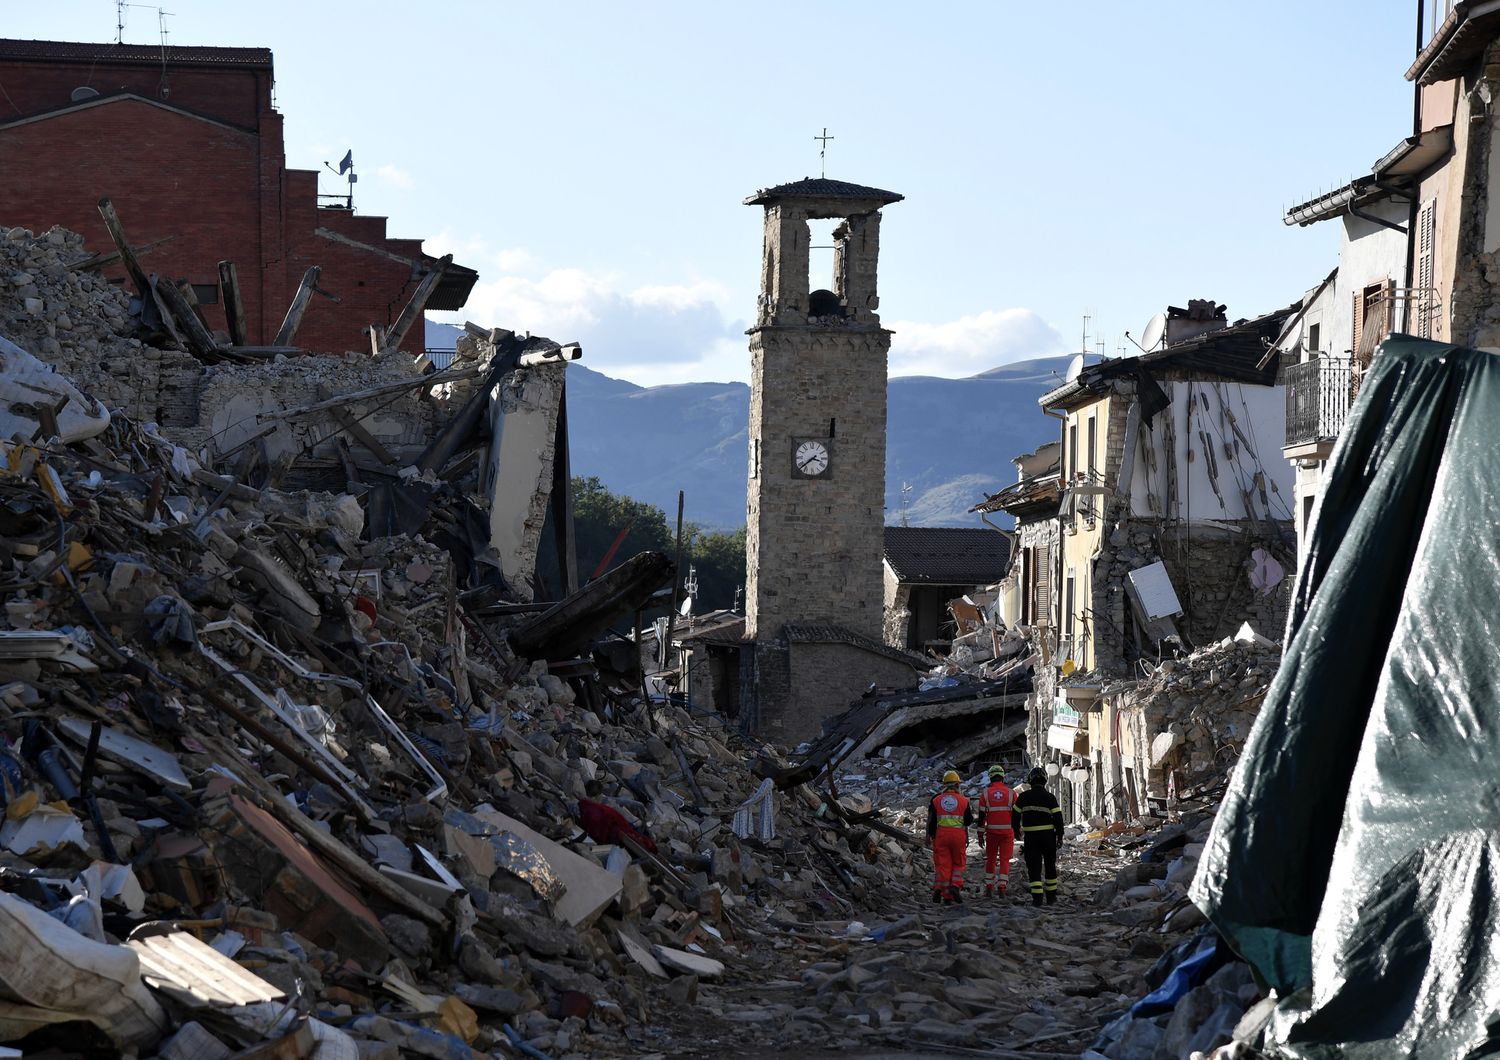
<point x="949" y="442"/>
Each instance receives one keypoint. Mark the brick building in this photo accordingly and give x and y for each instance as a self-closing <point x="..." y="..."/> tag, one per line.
<point x="187" y="144"/>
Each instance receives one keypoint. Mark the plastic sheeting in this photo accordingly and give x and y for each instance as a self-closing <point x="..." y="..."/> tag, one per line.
<point x="1355" y="861"/>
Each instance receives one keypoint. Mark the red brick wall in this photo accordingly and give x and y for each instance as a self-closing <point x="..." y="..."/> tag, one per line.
<point x="181" y="177"/>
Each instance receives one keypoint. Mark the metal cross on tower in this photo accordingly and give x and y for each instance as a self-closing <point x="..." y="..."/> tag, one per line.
<point x="823" y="151"/>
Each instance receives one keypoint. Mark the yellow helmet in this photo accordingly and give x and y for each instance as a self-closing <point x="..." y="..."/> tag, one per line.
<point x="952" y="777"/>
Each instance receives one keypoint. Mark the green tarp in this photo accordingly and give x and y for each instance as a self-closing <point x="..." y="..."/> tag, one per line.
<point x="1355" y="862"/>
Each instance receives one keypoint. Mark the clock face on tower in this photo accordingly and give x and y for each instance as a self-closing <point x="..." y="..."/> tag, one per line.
<point x="810" y="458"/>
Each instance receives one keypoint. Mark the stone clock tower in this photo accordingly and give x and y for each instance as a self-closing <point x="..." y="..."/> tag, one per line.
<point x="816" y="499"/>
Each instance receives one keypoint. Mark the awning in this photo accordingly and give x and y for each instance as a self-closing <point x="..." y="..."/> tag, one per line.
<point x="1068" y="740"/>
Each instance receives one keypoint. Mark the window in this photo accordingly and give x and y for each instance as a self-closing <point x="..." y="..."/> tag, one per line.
<point x="206" y="293"/>
<point x="1073" y="450"/>
<point x="1027" y="587"/>
<point x="1314" y="334"/>
<point x="1433" y="14"/>
<point x="1372" y="319"/>
<point x="1042" y="561"/>
<point x="1090" y="502"/>
<point x="755" y="458"/>
<point x="1068" y="623"/>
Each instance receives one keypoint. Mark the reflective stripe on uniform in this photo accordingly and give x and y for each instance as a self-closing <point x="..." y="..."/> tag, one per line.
<point x="1036" y="828"/>
<point x="953" y="822"/>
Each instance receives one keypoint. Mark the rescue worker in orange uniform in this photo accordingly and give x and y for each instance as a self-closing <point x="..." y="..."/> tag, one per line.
<point x="998" y="840"/>
<point x="948" y="818"/>
<point x="1038" y="823"/>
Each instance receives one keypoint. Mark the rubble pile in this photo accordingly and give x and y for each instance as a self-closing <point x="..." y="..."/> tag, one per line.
<point x="1193" y="714"/>
<point x="54" y="304"/>
<point x="1201" y="997"/>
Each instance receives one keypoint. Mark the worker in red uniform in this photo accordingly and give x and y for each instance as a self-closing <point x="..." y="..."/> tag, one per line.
<point x="1038" y="823"/>
<point x="948" y="818"/>
<point x="998" y="840"/>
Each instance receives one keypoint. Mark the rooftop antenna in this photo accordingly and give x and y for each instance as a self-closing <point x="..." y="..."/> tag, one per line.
<point x="906" y="489"/>
<point x="823" y="152"/>
<point x="346" y="168"/>
<point x="161" y="24"/>
<point x="1085" y="346"/>
<point x="119" y="21"/>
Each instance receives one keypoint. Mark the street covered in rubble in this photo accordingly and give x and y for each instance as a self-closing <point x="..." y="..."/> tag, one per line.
<point x="185" y="650"/>
<point x="345" y="715"/>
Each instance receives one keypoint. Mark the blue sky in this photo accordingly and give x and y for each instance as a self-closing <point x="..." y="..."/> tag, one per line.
<point x="1058" y="159"/>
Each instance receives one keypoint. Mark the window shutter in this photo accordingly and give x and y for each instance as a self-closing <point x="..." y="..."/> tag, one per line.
<point x="1043" y="590"/>
<point x="1359" y="321"/>
<point x="1424" y="298"/>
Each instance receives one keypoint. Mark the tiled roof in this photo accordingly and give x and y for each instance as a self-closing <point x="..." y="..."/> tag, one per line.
<point x="946" y="555"/>
<point x="1028" y="493"/>
<point x="176" y="55"/>
<point x="820" y="188"/>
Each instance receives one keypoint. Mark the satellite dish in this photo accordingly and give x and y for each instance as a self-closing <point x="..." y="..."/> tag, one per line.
<point x="687" y="607"/>
<point x="1075" y="368"/>
<point x="82" y="93"/>
<point x="1156" y="330"/>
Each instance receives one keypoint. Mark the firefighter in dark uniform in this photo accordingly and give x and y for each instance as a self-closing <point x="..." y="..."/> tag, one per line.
<point x="1036" y="818"/>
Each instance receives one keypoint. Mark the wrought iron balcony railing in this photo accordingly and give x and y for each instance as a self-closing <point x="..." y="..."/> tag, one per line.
<point x="1318" y="395"/>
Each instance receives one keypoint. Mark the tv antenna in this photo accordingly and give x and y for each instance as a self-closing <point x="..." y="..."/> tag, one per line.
<point x="346" y="169"/>
<point x="906" y="489"/>
<point x="823" y="151"/>
<point x="162" y="15"/>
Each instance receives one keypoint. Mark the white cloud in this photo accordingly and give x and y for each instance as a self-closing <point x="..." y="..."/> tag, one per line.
<point x="648" y="334"/>
<point x="971" y="344"/>
<point x="395" y="175"/>
<point x="681" y="295"/>
<point x="654" y="334"/>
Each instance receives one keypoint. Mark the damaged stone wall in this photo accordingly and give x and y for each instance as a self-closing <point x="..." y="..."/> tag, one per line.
<point x="524" y="410"/>
<point x="1209" y="568"/>
<point x="237" y="401"/>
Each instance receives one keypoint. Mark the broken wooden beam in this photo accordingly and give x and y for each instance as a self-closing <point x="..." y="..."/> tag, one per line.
<point x="298" y="308"/>
<point x="108" y="258"/>
<point x="357" y="431"/>
<point x="234" y="303"/>
<point x="196" y="336"/>
<point x="463" y="425"/>
<point x="452" y="375"/>
<point x="409" y="315"/>
<point x="568" y="627"/>
<point x="122" y="245"/>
